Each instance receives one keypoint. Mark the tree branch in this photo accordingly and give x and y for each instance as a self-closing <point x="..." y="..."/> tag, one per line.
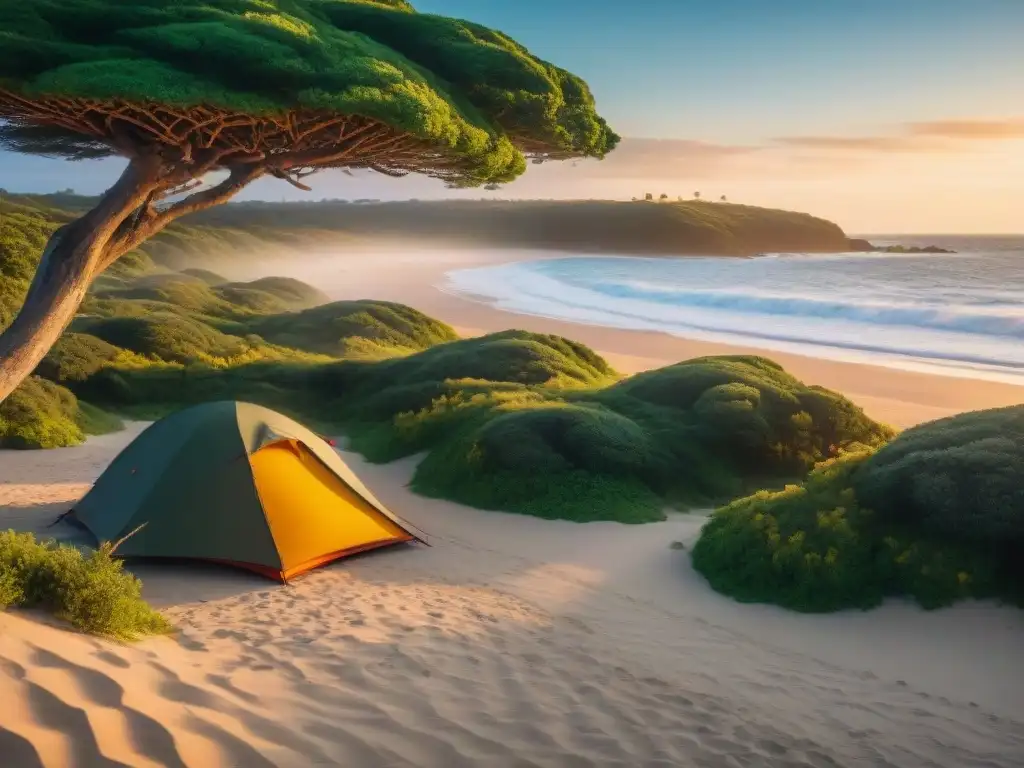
<point x="240" y="176"/>
<point x="292" y="179"/>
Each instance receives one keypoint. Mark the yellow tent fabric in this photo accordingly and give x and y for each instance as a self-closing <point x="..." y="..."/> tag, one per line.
<point x="313" y="516"/>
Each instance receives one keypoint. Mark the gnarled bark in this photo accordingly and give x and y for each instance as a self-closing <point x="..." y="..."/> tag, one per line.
<point x="170" y="151"/>
<point x="78" y="252"/>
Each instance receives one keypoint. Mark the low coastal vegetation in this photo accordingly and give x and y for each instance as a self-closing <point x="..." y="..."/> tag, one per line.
<point x="541" y="425"/>
<point x="514" y="421"/>
<point x="91" y="591"/>
<point x="937" y="515"/>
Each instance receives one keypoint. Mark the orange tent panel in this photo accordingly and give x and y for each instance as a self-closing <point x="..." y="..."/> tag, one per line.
<point x="314" y="517"/>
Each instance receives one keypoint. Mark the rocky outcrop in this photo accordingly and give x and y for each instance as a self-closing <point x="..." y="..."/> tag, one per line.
<point x="864" y="246"/>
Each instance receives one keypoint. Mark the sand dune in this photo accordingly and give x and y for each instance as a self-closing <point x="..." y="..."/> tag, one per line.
<point x="511" y="642"/>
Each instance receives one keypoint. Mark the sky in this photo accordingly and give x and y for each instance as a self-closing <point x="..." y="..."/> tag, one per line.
<point x="886" y="116"/>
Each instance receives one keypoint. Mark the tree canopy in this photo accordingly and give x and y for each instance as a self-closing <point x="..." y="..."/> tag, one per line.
<point x="294" y="84"/>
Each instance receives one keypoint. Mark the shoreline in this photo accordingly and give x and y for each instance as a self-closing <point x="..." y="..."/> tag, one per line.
<point x="512" y="640"/>
<point x="899" y="397"/>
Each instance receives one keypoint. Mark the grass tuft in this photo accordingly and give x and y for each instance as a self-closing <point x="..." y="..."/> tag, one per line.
<point x="92" y="591"/>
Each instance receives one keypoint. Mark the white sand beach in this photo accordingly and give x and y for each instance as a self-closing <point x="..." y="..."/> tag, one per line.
<point x="512" y="641"/>
<point x="415" y="276"/>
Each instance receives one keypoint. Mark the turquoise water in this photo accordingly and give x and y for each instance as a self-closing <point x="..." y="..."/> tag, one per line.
<point x="959" y="314"/>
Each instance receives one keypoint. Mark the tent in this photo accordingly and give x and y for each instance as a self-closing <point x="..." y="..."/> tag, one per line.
<point x="240" y="484"/>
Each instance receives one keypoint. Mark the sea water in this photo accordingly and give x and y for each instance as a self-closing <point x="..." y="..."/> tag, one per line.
<point x="959" y="314"/>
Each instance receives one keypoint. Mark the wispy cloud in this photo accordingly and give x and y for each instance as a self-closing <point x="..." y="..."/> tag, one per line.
<point x="933" y="136"/>
<point x="862" y="143"/>
<point x="970" y="129"/>
<point x="665" y="158"/>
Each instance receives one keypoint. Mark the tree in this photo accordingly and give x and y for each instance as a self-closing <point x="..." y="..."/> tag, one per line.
<point x="248" y="90"/>
<point x="648" y="196"/>
<point x="663" y="197"/>
<point x="696" y="195"/>
<point x="724" y="199"/>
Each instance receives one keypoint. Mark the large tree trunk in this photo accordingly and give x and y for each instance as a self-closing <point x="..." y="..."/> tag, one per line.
<point x="74" y="256"/>
<point x="125" y="217"/>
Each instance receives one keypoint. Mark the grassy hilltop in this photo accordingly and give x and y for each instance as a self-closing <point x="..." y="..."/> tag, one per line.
<point x="542" y="425"/>
<point x="597" y="226"/>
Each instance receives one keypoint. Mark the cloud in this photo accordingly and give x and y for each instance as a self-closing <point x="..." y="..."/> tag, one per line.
<point x="865" y="143"/>
<point x="933" y="136"/>
<point x="970" y="129"/>
<point x="658" y="158"/>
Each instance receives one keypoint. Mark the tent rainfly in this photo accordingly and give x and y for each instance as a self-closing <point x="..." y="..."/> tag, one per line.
<point x="240" y="484"/>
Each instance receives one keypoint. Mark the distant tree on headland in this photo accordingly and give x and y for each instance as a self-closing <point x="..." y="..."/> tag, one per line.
<point x="696" y="195"/>
<point x="184" y="89"/>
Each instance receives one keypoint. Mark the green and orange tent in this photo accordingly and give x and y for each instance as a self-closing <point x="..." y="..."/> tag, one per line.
<point x="240" y="484"/>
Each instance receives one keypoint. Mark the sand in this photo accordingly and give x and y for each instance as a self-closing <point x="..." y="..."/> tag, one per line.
<point x="413" y="276"/>
<point x="512" y="641"/>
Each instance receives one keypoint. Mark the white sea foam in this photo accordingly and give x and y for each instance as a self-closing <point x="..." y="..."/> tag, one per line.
<point x="960" y="314"/>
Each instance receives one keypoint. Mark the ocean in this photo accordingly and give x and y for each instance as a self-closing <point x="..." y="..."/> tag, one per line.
<point x="959" y="314"/>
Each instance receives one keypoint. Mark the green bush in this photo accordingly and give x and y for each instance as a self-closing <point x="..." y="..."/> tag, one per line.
<point x="367" y="329"/>
<point x="509" y="356"/>
<point x="272" y="294"/>
<point x="41" y="414"/>
<point x="961" y="478"/>
<point x="91" y="592"/>
<point x="167" y="337"/>
<point x="937" y="515"/>
<point x="186" y="293"/>
<point x="536" y="433"/>
<point x="208" y="277"/>
<point x="76" y="357"/>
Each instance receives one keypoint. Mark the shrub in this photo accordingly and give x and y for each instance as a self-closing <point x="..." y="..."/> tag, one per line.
<point x="534" y="432"/>
<point x="41" y="414"/>
<point x="168" y="337"/>
<point x="959" y="478"/>
<point x="272" y="294"/>
<point x="368" y="329"/>
<point x="208" y="277"/>
<point x="827" y="544"/>
<point x="91" y="592"/>
<point x="76" y="357"/>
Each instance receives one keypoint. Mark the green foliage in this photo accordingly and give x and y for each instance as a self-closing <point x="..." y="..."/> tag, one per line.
<point x="467" y="90"/>
<point x="42" y="414"/>
<point x="936" y="515"/>
<point x="91" y="592"/>
<point x="23" y="234"/>
<point x="167" y="337"/>
<point x="39" y="414"/>
<point x="76" y="357"/>
<point x="959" y="478"/>
<point x="271" y="294"/>
<point x="370" y="329"/>
<point x="208" y="277"/>
<point x="517" y="421"/>
<point x="527" y="423"/>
